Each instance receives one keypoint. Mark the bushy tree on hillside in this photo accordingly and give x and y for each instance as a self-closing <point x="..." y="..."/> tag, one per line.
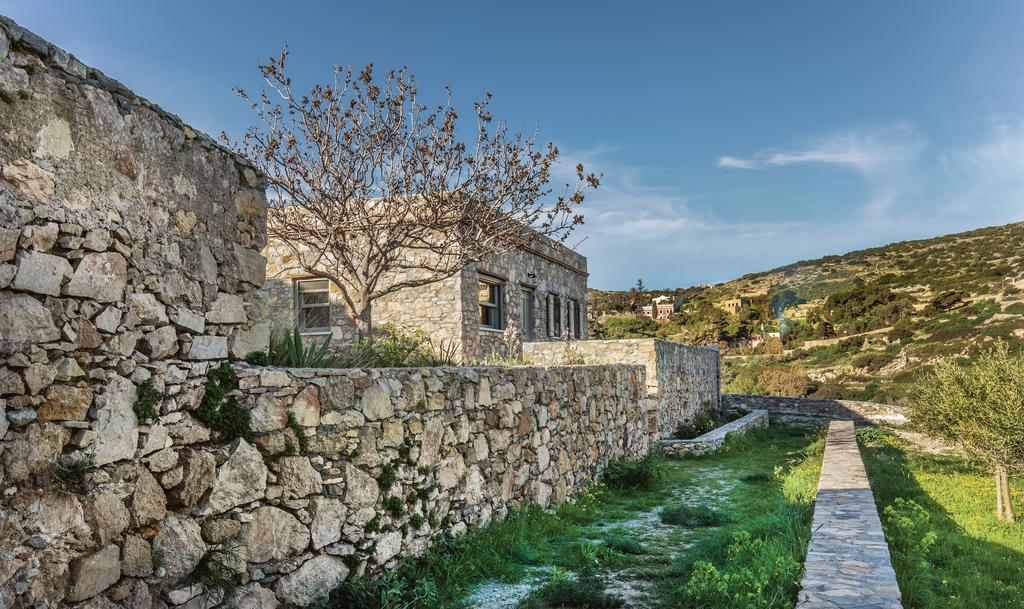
<point x="981" y="408"/>
<point x="626" y="326"/>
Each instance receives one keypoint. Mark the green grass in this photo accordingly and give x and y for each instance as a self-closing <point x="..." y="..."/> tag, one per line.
<point x="693" y="516"/>
<point x="972" y="561"/>
<point x="594" y="535"/>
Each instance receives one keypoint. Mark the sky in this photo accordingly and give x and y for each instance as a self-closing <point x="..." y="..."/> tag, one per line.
<point x="733" y="137"/>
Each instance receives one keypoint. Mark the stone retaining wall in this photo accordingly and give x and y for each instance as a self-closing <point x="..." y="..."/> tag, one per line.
<point x="817" y="408"/>
<point x="129" y="252"/>
<point x="683" y="379"/>
<point x="714" y="439"/>
<point x="397" y="456"/>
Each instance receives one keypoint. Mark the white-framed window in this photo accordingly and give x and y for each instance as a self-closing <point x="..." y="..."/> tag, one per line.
<point x="313" y="305"/>
<point x="554" y="316"/>
<point x="491" y="313"/>
<point x="574" y="318"/>
<point x="527" y="316"/>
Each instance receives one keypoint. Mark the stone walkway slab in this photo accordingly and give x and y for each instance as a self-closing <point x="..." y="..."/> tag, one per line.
<point x="848" y="564"/>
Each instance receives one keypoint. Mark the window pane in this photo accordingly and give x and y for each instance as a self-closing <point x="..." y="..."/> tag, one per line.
<point x="313" y="285"/>
<point x="488" y="292"/>
<point x="308" y="298"/>
<point x="316" y="318"/>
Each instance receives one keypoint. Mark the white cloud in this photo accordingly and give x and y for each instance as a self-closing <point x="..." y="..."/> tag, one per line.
<point x="867" y="151"/>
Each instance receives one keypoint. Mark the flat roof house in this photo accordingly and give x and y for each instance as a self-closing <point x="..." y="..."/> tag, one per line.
<point x="534" y="293"/>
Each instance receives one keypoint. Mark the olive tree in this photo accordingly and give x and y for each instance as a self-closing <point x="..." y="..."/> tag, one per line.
<point x="377" y="192"/>
<point x="979" y="407"/>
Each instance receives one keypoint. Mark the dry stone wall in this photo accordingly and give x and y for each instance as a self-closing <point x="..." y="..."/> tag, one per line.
<point x="682" y="380"/>
<point x="820" y="409"/>
<point x="396" y="456"/>
<point x="129" y="255"/>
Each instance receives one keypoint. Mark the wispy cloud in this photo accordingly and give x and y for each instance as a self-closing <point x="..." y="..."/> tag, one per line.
<point x="865" y="151"/>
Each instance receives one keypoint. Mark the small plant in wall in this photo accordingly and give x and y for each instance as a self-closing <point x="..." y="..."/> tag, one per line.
<point x="73" y="474"/>
<point x="219" y="411"/>
<point x="148" y="402"/>
<point x="216" y="575"/>
<point x="300" y="434"/>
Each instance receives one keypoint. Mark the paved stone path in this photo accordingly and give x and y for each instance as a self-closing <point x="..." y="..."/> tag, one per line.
<point x="848" y="564"/>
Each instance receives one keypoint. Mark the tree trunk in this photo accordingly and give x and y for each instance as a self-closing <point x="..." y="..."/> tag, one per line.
<point x="999" y="494"/>
<point x="364" y="322"/>
<point x="1007" y="498"/>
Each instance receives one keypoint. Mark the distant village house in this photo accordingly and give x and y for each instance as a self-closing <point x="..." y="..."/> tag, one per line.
<point x="660" y="309"/>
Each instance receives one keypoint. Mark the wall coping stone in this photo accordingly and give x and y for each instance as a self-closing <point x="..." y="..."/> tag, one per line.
<point x="842" y="410"/>
<point x="848" y="565"/>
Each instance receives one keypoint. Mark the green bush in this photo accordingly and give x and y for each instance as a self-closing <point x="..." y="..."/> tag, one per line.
<point x="701" y="424"/>
<point x="586" y="591"/>
<point x="755" y="575"/>
<point x="73" y="475"/>
<point x="639" y="474"/>
<point x="624" y="544"/>
<point x="693" y="516"/>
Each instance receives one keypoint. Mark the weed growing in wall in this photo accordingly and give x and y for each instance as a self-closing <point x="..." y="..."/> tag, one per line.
<point x="216" y="575"/>
<point x="300" y="433"/>
<point x="73" y="475"/>
<point x="220" y="411"/>
<point x="147" y="402"/>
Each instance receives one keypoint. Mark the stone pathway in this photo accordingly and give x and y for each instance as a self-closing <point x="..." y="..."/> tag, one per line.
<point x="848" y="564"/>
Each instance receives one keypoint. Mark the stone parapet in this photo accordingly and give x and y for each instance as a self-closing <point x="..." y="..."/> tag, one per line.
<point x="713" y="440"/>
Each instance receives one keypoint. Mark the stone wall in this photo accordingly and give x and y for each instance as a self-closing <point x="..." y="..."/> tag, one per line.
<point x="129" y="252"/>
<point x="683" y="379"/>
<point x="397" y="456"/>
<point x="714" y="439"/>
<point x="824" y="410"/>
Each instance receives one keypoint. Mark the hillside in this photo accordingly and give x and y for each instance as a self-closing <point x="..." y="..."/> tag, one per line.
<point x="860" y="325"/>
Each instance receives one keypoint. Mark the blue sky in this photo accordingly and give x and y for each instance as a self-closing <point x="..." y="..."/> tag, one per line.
<point x="733" y="136"/>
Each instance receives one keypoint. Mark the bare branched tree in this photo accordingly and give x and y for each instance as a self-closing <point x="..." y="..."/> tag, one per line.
<point x="377" y="193"/>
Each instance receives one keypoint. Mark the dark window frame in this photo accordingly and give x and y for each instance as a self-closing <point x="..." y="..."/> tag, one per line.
<point x="496" y="289"/>
<point x="527" y="317"/>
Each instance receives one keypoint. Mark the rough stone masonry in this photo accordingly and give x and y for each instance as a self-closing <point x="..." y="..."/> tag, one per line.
<point x="129" y="252"/>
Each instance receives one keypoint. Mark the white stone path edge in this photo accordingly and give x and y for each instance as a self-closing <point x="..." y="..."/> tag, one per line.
<point x="848" y="564"/>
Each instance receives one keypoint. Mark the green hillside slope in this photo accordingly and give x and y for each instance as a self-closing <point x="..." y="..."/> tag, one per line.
<point x="862" y="325"/>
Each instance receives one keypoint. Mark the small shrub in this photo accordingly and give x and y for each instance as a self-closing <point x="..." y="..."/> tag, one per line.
<point x="701" y="424"/>
<point x="73" y="475"/>
<point x="755" y="575"/>
<point x="147" y="402"/>
<point x="387" y="477"/>
<point x="759" y="478"/>
<point x="623" y="544"/>
<point x="908" y="527"/>
<point x="258" y="358"/>
<point x="640" y="474"/>
<point x="693" y="516"/>
<point x="416" y="521"/>
<point x="586" y="591"/>
<point x="394" y="507"/>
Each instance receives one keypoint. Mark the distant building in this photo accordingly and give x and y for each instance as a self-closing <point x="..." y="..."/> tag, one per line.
<point x="733" y="305"/>
<point x="660" y="309"/>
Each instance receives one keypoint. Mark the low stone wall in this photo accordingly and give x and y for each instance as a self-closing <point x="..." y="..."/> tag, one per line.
<point x="714" y="439"/>
<point x="683" y="379"/>
<point x="397" y="456"/>
<point x="821" y="409"/>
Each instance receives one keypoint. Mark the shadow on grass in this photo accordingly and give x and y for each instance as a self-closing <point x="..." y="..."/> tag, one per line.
<point x="965" y="566"/>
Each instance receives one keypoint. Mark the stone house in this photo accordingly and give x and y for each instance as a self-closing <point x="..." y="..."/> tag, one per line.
<point x="733" y="305"/>
<point x="535" y="293"/>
